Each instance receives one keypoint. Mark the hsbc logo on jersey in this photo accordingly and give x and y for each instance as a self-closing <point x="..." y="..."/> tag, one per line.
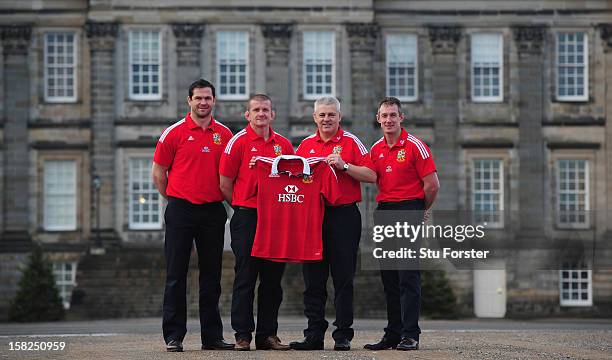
<point x="290" y="195"/>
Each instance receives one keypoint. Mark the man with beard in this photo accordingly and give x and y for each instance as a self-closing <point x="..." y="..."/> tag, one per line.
<point x="185" y="171"/>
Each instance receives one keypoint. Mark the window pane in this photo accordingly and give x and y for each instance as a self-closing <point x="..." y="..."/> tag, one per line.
<point x="59" y="66"/>
<point x="59" y="195"/>
<point x="487" y="59"/>
<point x="232" y="62"/>
<point x="487" y="191"/>
<point x="572" y="191"/>
<point x="145" y="63"/>
<point x="401" y="52"/>
<point x="571" y="60"/>
<point x="318" y="53"/>
<point x="145" y="203"/>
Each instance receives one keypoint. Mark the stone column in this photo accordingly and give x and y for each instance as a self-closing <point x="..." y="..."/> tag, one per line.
<point x="445" y="109"/>
<point x="102" y="38"/>
<point x="605" y="31"/>
<point x="188" y="42"/>
<point x="15" y="43"/>
<point x="529" y="41"/>
<point x="278" y="72"/>
<point x="362" y="42"/>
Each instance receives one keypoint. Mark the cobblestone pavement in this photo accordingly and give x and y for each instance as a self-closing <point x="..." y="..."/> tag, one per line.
<point x="461" y="339"/>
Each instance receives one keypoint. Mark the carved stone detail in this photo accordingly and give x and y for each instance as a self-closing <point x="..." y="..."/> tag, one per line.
<point x="362" y="36"/>
<point x="277" y="30"/>
<point x="529" y="38"/>
<point x="278" y="36"/>
<point x="192" y="30"/>
<point x="605" y="31"/>
<point x="188" y="38"/>
<point x="16" y="38"/>
<point x="444" y="38"/>
<point x="101" y="35"/>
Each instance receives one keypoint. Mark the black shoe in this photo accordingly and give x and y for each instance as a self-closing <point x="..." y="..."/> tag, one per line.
<point x="217" y="345"/>
<point x="342" y="345"/>
<point x="174" y="346"/>
<point x="384" y="344"/>
<point x="307" y="344"/>
<point x="408" y="344"/>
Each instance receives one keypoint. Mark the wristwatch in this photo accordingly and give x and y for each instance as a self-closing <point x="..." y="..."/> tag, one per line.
<point x="345" y="167"/>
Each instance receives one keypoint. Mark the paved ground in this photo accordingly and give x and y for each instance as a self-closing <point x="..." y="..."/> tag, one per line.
<point x="463" y="339"/>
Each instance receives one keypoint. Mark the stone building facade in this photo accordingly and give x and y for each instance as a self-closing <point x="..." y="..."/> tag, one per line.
<point x="513" y="98"/>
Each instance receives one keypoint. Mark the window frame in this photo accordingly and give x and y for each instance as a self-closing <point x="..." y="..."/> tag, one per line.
<point x="572" y="98"/>
<point x="587" y="193"/>
<point x="75" y="44"/>
<point x="62" y="282"/>
<point x="145" y="97"/>
<point x="491" y="98"/>
<point x="220" y="95"/>
<point x="491" y="225"/>
<point x="45" y="221"/>
<point x="141" y="226"/>
<point x="579" y="280"/>
<point x="314" y="96"/>
<point x="415" y="66"/>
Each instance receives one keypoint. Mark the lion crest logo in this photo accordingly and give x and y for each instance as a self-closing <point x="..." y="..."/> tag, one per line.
<point x="337" y="149"/>
<point x="307" y="179"/>
<point x="278" y="150"/>
<point x="401" y="155"/>
<point x="217" y="138"/>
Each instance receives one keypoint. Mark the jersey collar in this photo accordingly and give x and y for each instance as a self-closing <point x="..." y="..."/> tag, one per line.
<point x="401" y="141"/>
<point x="193" y="125"/>
<point x="336" y="138"/>
<point x="254" y="136"/>
<point x="305" y="169"/>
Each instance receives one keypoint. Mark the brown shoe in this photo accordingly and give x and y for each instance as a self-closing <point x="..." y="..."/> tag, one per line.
<point x="271" y="343"/>
<point x="242" y="345"/>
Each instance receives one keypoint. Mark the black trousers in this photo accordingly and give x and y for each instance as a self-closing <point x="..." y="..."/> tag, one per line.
<point x="341" y="235"/>
<point x="247" y="269"/>
<point x="184" y="223"/>
<point x="402" y="289"/>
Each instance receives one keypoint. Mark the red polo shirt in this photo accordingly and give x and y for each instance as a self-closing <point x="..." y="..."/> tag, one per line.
<point x="401" y="168"/>
<point x="237" y="155"/>
<point x="352" y="152"/>
<point x="192" y="156"/>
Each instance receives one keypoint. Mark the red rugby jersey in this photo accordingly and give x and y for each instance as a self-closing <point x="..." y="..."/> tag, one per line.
<point x="192" y="156"/>
<point x="237" y="155"/>
<point x="350" y="149"/>
<point x="401" y="168"/>
<point x="290" y="207"/>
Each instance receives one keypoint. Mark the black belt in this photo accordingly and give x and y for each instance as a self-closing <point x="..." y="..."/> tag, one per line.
<point x="403" y="202"/>
<point x="188" y="203"/>
<point x="341" y="206"/>
<point x="244" y="208"/>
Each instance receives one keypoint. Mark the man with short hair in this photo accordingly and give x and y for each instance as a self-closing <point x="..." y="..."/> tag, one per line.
<point x="407" y="180"/>
<point x="236" y="180"/>
<point x="185" y="168"/>
<point x="341" y="227"/>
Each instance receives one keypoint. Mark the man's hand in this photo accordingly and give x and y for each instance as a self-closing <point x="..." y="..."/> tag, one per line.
<point x="159" y="174"/>
<point x="426" y="216"/>
<point x="335" y="160"/>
